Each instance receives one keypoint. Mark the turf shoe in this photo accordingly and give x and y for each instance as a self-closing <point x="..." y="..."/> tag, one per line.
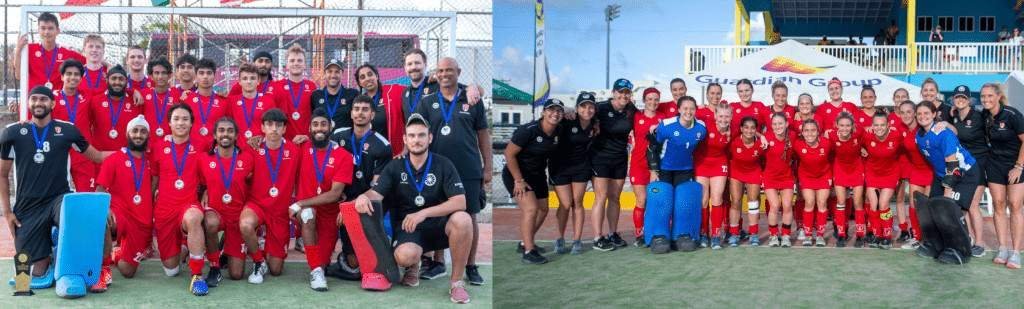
<point x="522" y="248"/>
<point x="704" y="241"/>
<point x="716" y="243"/>
<point x="807" y="242"/>
<point x="773" y="241"/>
<point x="859" y="243"/>
<point x="603" y="244"/>
<point x="375" y="282"/>
<point x="819" y="241"/>
<point x="299" y="245"/>
<point x="755" y="241"/>
<point x="904" y="236"/>
<point x="885" y="244"/>
<point x="617" y="240"/>
<point x="198" y="286"/>
<point x="840" y="242"/>
<point x="734" y="241"/>
<point x="1014" y="261"/>
<point x="926" y="250"/>
<point x="411" y="277"/>
<point x="660" y="245"/>
<point x="473" y="275"/>
<point x="639" y="241"/>
<point x="431" y="269"/>
<point x="532" y="257"/>
<point x="560" y="246"/>
<point x="1002" y="256"/>
<point x="977" y="251"/>
<point x="457" y="293"/>
<point x="910" y="244"/>
<point x="101" y="285"/>
<point x="577" y="247"/>
<point x="258" y="270"/>
<point x="951" y="256"/>
<point x="686" y="244"/>
<point x="785" y="243"/>
<point x="214" y="277"/>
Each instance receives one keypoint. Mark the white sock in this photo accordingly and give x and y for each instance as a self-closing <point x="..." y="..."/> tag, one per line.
<point x="171" y="272"/>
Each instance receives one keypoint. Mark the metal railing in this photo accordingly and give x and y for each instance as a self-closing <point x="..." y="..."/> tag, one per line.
<point x="931" y="57"/>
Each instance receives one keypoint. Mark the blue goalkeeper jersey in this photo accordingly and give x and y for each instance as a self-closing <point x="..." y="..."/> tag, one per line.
<point x="678" y="142"/>
<point x="936" y="146"/>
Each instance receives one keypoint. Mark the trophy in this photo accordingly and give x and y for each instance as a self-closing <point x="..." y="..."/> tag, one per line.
<point x="22" y="278"/>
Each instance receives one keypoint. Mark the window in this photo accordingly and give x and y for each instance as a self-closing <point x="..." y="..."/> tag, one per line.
<point x="987" y="24"/>
<point x="965" y="24"/>
<point x="946" y="22"/>
<point x="504" y="118"/>
<point x="515" y="118"/>
<point x="924" y="23"/>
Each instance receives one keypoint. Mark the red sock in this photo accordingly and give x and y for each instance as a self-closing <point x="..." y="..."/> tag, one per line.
<point x="313" y="256"/>
<point x="214" y="258"/>
<point x="808" y="222"/>
<point x="752" y="229"/>
<point x="638" y="221"/>
<point x="820" y="219"/>
<point x="799" y="206"/>
<point x="196" y="264"/>
<point x="831" y="202"/>
<point x="859" y="218"/>
<point x="734" y="230"/>
<point x="786" y="229"/>
<point x="704" y="220"/>
<point x="915" y="224"/>
<point x="257" y="256"/>
<point x="885" y="218"/>
<point x="717" y="216"/>
<point x="872" y="221"/>
<point x="840" y="218"/>
<point x="773" y="230"/>
<point x="903" y="227"/>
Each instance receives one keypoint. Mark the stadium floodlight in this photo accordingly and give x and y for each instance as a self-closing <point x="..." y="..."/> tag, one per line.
<point x="610" y="13"/>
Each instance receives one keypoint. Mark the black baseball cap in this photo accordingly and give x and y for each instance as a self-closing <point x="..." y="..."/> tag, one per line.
<point x="554" y="103"/>
<point x="416" y="118"/>
<point x="585" y="97"/>
<point x="962" y="90"/>
<point x="621" y="84"/>
<point x="334" y="62"/>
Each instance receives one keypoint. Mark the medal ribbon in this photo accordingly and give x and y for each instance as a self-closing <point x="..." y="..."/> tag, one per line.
<point x="448" y="108"/>
<point x="419" y="183"/>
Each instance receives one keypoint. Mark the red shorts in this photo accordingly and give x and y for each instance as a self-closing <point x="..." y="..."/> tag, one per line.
<point x="169" y="233"/>
<point x="883" y="181"/>
<point x="327" y="231"/>
<point x="277" y="236"/>
<point x="905" y="167"/>
<point x="815" y="183"/>
<point x="234" y="245"/>
<point x="779" y="183"/>
<point x="133" y="237"/>
<point x="751" y="178"/>
<point x="639" y="175"/>
<point x="921" y="176"/>
<point x="852" y="178"/>
<point x="83" y="173"/>
<point x="712" y="168"/>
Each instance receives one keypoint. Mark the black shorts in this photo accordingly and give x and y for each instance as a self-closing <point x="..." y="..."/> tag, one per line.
<point x="566" y="177"/>
<point x="475" y="198"/>
<point x="538" y="186"/>
<point x="998" y="171"/>
<point x="429" y="234"/>
<point x="981" y="163"/>
<point x="963" y="192"/>
<point x="615" y="169"/>
<point x="675" y="177"/>
<point x="38" y="216"/>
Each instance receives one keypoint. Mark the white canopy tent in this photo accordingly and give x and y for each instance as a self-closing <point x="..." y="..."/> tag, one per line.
<point x="1015" y="89"/>
<point x="803" y="69"/>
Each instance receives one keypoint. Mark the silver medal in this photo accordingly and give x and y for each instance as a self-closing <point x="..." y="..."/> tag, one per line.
<point x="179" y="184"/>
<point x="204" y="131"/>
<point x="248" y="133"/>
<point x="137" y="199"/>
<point x="159" y="131"/>
<point x="49" y="85"/>
<point x="112" y="133"/>
<point x="445" y="130"/>
<point x="38" y="157"/>
<point x="359" y="174"/>
<point x="226" y="198"/>
<point x="295" y="115"/>
<point x="420" y="200"/>
<point x="273" y="192"/>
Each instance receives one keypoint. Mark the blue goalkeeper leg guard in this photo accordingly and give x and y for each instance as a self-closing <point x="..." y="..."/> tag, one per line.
<point x="686" y="213"/>
<point x="659" y="210"/>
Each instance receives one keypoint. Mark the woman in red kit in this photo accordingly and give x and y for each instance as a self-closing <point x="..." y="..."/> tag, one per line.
<point x="639" y="175"/>
<point x="745" y="179"/>
<point x="706" y="113"/>
<point x="848" y="173"/>
<point x="779" y="180"/>
<point x="746" y="107"/>
<point x="814" y="155"/>
<point x="804" y="112"/>
<point x="780" y="97"/>
<point x="882" y="150"/>
<point x="896" y="123"/>
<point x="862" y="117"/>
<point x="830" y="110"/>
<point x="918" y="176"/>
<point x="712" y="170"/>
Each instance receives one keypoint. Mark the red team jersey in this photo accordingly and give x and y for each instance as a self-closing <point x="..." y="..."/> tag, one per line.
<point x="44" y="65"/>
<point x="756" y="110"/>
<point x="140" y="84"/>
<point x="918" y="171"/>
<point x="215" y="171"/>
<point x="337" y="168"/>
<point x="94" y="81"/>
<point x="883" y="156"/>
<point x="712" y="155"/>
<point x="778" y="162"/>
<point x="707" y="115"/>
<point x="173" y="201"/>
<point x="794" y="124"/>
<point x="155" y="107"/>
<point x="815" y="167"/>
<point x="667" y="108"/>
<point x="789" y="110"/>
<point x="639" y="174"/>
<point x="206" y="111"/>
<point x="828" y="114"/>
<point x="294" y="101"/>
<point x="247" y="114"/>
<point x="273" y="210"/>
<point x="103" y="113"/>
<point x="134" y="220"/>
<point x="745" y="161"/>
<point x="848" y="165"/>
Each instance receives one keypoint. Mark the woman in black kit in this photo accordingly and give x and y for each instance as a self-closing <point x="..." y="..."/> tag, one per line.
<point x="570" y="171"/>
<point x="970" y="130"/>
<point x="608" y="159"/>
<point x="1005" y="128"/>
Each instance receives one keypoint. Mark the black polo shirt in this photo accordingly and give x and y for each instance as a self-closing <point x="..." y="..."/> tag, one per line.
<point x="439" y="184"/>
<point x="943" y="112"/>
<point x="376" y="153"/>
<point x="971" y="131"/>
<point x="537" y="148"/>
<point x="1003" y="130"/>
<point x="574" y="145"/>
<point x="341" y="102"/>
<point x="47" y="179"/>
<point x="610" y="145"/>
<point x="460" y="145"/>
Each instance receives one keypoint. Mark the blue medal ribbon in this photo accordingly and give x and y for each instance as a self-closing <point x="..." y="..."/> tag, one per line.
<point x="137" y="175"/>
<point x="251" y="113"/>
<point x="209" y="106"/>
<point x="161" y="106"/>
<point x="226" y="176"/>
<point x="96" y="84"/>
<point x="448" y="108"/>
<point x="417" y="96"/>
<point x="179" y="167"/>
<point x="321" y="168"/>
<point x="114" y="116"/>
<point x="40" y="139"/>
<point x="332" y="105"/>
<point x="72" y="107"/>
<point x="357" y="149"/>
<point x="274" y="168"/>
<point x="50" y="65"/>
<point x="291" y="95"/>
<point x="422" y="181"/>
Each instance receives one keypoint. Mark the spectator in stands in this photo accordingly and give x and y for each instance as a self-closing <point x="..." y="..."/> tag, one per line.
<point x="1016" y="38"/>
<point x="824" y="41"/>
<point x="891" y="33"/>
<point x="850" y="41"/>
<point x="936" y="35"/>
<point x="1004" y="34"/>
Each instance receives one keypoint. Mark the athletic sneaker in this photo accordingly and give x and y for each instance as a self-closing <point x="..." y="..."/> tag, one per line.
<point x="910" y="244"/>
<point x="859" y="243"/>
<point x="885" y="244"/>
<point x="800" y="235"/>
<point x="872" y="241"/>
<point x="577" y="247"/>
<point x="926" y="250"/>
<point x="639" y="241"/>
<point x="1014" y="261"/>
<point x="786" y="243"/>
<point x="521" y="248"/>
<point x="744" y="235"/>
<point x="101" y="285"/>
<point x="904" y="236"/>
<point x="704" y="241"/>
<point x="773" y="241"/>
<point x="841" y="242"/>
<point x="951" y="256"/>
<point x="473" y="275"/>
<point x="560" y="246"/>
<point x="533" y="258"/>
<point x="977" y="251"/>
<point x="603" y="244"/>
<point x="807" y="242"/>
<point x="430" y="269"/>
<point x="660" y="245"/>
<point x="258" y="270"/>
<point x="107" y="275"/>
<point x="317" y="282"/>
<point x="819" y="241"/>
<point x="375" y="282"/>
<point x="457" y="293"/>
<point x="1002" y="256"/>
<point x="686" y="244"/>
<point x="198" y="286"/>
<point x="734" y="241"/>
<point x="617" y="240"/>
<point x="755" y="241"/>
<point x="716" y="243"/>
<point x="213" y="277"/>
<point x="411" y="277"/>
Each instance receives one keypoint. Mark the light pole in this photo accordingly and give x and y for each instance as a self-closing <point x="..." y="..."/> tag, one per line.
<point x="610" y="13"/>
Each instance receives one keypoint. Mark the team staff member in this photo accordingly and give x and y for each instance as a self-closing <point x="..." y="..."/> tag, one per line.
<point x="415" y="65"/>
<point x="746" y="107"/>
<point x="334" y="98"/>
<point x="643" y="123"/>
<point x="1005" y="127"/>
<point x="73" y="106"/>
<point x="428" y="207"/>
<point x="126" y="176"/>
<point x="678" y="89"/>
<point x="919" y="176"/>
<point x="387" y="103"/>
<point x="712" y="170"/>
<point x="295" y="98"/>
<point x="158" y="99"/>
<point x="225" y="171"/>
<point x="930" y="93"/>
<point x="316" y="209"/>
<point x="46" y="57"/>
<point x="271" y="190"/>
<point x="570" y="171"/>
<point x="814" y="174"/>
<point x="527" y="155"/>
<point x="829" y="110"/>
<point x="779" y="180"/>
<point x="209" y="106"/>
<point x="848" y="173"/>
<point x="178" y="213"/>
<point x="39" y="149"/>
<point x="883" y="148"/>
<point x="460" y="129"/>
<point x="970" y="130"/>
<point x="608" y="160"/>
<point x="745" y="180"/>
<point x="136" y="61"/>
<point x="250" y="105"/>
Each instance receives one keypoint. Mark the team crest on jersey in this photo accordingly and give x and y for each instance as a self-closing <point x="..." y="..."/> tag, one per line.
<point x="711" y="135"/>
<point x="771" y="143"/>
<point x="286" y="155"/>
<point x="540" y="139"/>
<point x="240" y="164"/>
<point x="465" y="107"/>
<point x="821" y="151"/>
<point x="167" y="150"/>
<point x="803" y="150"/>
<point x="366" y="147"/>
<point x="755" y="153"/>
<point x="239" y="102"/>
<point x="739" y="150"/>
<point x="341" y="143"/>
<point x="675" y="133"/>
<point x="321" y="100"/>
<point x="405" y="177"/>
<point x="213" y="165"/>
<point x="575" y="130"/>
<point x="263" y="152"/>
<point x="435" y="105"/>
<point x="149" y="96"/>
<point x="890" y="145"/>
<point x="195" y="99"/>
<point x="23" y="131"/>
<point x="127" y="163"/>
<point x="39" y="54"/>
<point x="872" y="144"/>
<point x="105" y="104"/>
<point x="56" y="130"/>
<point x="1002" y="125"/>
<point x="431" y="180"/>
<point x="330" y="161"/>
<point x="259" y="104"/>
<point x="838" y="143"/>
<point x="737" y="111"/>
<point x="610" y="114"/>
<point x="641" y="121"/>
